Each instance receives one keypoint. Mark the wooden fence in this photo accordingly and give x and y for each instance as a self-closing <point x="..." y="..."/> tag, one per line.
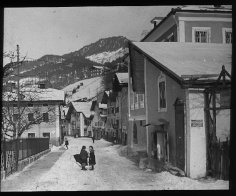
<point x="220" y="160"/>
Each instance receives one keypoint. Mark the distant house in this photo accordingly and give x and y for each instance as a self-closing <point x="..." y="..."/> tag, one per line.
<point x="99" y="116"/>
<point x="198" y="24"/>
<point x="65" y="122"/>
<point x="78" y="116"/>
<point x="181" y="84"/>
<point x="42" y="107"/>
<point x="120" y="85"/>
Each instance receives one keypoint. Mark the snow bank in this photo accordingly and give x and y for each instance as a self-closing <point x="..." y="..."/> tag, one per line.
<point x="169" y="181"/>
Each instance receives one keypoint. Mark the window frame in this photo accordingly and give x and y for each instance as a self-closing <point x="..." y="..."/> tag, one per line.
<point x="44" y="117"/>
<point x="141" y="102"/>
<point x="224" y="30"/>
<point x="206" y="29"/>
<point x="136" y="103"/>
<point x="132" y="100"/>
<point x="32" y="117"/>
<point x="31" y="133"/>
<point x="161" y="78"/>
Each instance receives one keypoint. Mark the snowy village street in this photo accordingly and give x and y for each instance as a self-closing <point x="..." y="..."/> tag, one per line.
<point x="58" y="171"/>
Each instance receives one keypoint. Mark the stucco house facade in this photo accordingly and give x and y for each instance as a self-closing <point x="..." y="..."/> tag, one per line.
<point x="174" y="77"/>
<point x="78" y="116"/>
<point x="40" y="110"/>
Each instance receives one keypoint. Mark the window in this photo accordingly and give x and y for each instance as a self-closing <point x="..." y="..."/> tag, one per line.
<point x="141" y="123"/>
<point x="227" y="35"/>
<point x="46" y="134"/>
<point x="201" y="34"/>
<point x="162" y="105"/>
<point x="96" y="124"/>
<point x="15" y="117"/>
<point x="131" y="100"/>
<point x="45" y="117"/>
<point x="30" y="105"/>
<point x="141" y="100"/>
<point x="31" y="135"/>
<point x="136" y="101"/>
<point x="30" y="117"/>
<point x="46" y="104"/>
<point x="117" y="110"/>
<point x="170" y="38"/>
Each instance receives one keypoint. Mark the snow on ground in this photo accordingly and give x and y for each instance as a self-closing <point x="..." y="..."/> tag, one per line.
<point x="58" y="171"/>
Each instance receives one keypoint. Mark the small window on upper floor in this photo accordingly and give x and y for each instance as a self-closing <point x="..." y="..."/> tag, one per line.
<point x="131" y="100"/>
<point x="136" y="106"/>
<point x="141" y="100"/>
<point x="227" y="35"/>
<point x="201" y="34"/>
<point x="170" y="38"/>
<point x="30" y="105"/>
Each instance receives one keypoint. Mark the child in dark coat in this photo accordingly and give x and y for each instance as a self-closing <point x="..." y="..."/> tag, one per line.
<point x="92" y="160"/>
<point x="66" y="143"/>
<point x="84" y="157"/>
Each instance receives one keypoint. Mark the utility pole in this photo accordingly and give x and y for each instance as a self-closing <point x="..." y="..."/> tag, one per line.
<point x="18" y="91"/>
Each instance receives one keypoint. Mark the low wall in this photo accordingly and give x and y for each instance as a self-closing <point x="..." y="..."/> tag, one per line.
<point x="23" y="163"/>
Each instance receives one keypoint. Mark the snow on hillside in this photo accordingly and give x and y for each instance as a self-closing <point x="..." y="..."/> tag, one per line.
<point x="108" y="56"/>
<point x="90" y="88"/>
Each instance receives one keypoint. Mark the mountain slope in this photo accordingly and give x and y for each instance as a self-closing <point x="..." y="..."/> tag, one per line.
<point x="69" y="68"/>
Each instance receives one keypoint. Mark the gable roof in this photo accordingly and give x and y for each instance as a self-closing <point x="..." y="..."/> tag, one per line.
<point x="187" y="58"/>
<point x="83" y="107"/>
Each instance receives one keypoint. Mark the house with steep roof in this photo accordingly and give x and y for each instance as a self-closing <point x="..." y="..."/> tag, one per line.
<point x="40" y="112"/>
<point x="99" y="115"/>
<point x="182" y="88"/>
<point x="79" y="115"/>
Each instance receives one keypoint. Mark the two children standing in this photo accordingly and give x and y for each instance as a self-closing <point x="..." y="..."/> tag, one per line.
<point x="85" y="155"/>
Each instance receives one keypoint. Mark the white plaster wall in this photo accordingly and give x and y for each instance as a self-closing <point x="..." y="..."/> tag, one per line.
<point x="81" y="124"/>
<point x="198" y="136"/>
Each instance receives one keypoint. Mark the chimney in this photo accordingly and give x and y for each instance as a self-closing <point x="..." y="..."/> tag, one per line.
<point x="156" y="20"/>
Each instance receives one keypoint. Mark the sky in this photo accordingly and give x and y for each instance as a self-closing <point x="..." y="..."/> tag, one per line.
<point x="61" y="30"/>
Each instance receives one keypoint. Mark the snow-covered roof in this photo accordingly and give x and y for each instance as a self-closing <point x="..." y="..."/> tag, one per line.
<point x="189" y="58"/>
<point x="83" y="107"/>
<point x="122" y="77"/>
<point x="207" y="7"/>
<point x="103" y="106"/>
<point x="36" y="94"/>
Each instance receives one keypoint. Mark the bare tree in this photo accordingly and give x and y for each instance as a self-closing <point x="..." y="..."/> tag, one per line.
<point x="15" y="121"/>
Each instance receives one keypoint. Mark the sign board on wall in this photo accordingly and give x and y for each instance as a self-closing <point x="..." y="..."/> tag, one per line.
<point x="196" y="123"/>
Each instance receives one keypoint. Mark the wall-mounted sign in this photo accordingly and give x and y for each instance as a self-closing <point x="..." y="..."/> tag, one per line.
<point x="196" y="123"/>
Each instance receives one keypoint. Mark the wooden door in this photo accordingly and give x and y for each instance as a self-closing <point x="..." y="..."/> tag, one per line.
<point x="180" y="136"/>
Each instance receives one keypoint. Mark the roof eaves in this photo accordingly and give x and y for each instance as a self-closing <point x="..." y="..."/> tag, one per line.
<point x="161" y="66"/>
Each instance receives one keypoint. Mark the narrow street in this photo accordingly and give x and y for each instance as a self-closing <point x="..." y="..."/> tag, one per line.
<point x="58" y="171"/>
